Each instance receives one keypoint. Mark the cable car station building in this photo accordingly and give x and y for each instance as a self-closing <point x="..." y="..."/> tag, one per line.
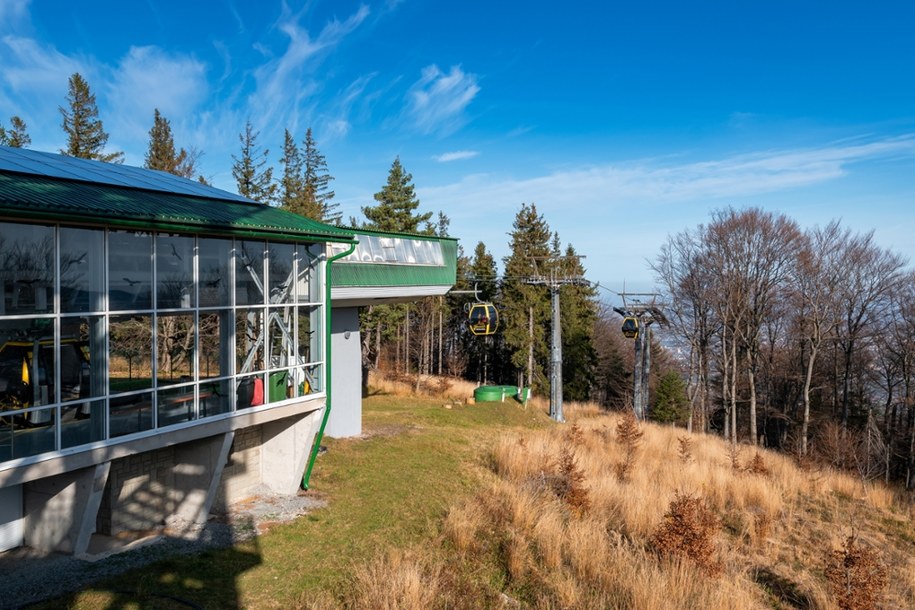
<point x="165" y="346"/>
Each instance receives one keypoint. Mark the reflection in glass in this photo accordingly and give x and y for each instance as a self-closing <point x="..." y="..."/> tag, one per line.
<point x="82" y="343"/>
<point x="82" y="269"/>
<point x="215" y="352"/>
<point x="174" y="348"/>
<point x="131" y="414"/>
<point x="129" y="270"/>
<point x="215" y="397"/>
<point x="249" y="391"/>
<point x="26" y="268"/>
<point x="175" y="272"/>
<point x="82" y="423"/>
<point x="282" y="285"/>
<point x="249" y="273"/>
<point x="307" y="284"/>
<point x="281" y="337"/>
<point x="214" y="256"/>
<point x="309" y="344"/>
<point x="130" y="340"/>
<point x="27" y="365"/>
<point x="175" y="405"/>
<point x="249" y="340"/>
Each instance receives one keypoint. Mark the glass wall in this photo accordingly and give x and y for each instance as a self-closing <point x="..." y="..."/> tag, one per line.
<point x="106" y="334"/>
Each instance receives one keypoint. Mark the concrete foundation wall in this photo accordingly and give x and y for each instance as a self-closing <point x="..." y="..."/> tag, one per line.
<point x="346" y="374"/>
<point x="10" y="517"/>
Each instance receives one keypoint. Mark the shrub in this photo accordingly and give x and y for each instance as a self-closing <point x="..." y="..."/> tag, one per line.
<point x="688" y="530"/>
<point x="569" y="484"/>
<point x="630" y="436"/>
<point x="856" y="575"/>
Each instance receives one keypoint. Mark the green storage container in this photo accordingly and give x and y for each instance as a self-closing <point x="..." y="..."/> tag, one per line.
<point x="278" y="386"/>
<point x="494" y="393"/>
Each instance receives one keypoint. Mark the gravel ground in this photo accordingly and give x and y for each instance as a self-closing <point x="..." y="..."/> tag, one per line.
<point x="28" y="577"/>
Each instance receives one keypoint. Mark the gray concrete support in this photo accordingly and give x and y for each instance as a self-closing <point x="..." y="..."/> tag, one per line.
<point x="60" y="511"/>
<point x="285" y="450"/>
<point x="197" y="473"/>
<point x="346" y="374"/>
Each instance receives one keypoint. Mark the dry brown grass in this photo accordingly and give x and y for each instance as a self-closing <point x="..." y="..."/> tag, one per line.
<point x="695" y="523"/>
<point x="766" y="514"/>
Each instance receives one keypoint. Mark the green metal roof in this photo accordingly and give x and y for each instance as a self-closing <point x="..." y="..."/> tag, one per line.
<point x="34" y="197"/>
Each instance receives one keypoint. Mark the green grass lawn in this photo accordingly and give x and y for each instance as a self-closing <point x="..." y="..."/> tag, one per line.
<point x="389" y="489"/>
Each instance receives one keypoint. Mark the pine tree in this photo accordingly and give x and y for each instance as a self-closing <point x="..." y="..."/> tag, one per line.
<point x="482" y="352"/>
<point x="317" y="182"/>
<point x="86" y="137"/>
<point x="578" y="306"/>
<point x="671" y="404"/>
<point x="396" y="204"/>
<point x="16" y="136"/>
<point x="526" y="308"/>
<point x="293" y="194"/>
<point x="161" y="154"/>
<point x="254" y="180"/>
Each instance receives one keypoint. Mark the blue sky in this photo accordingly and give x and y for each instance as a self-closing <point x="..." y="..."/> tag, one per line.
<point x="623" y="122"/>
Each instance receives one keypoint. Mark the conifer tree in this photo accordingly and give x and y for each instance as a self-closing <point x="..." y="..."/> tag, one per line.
<point x="317" y="182"/>
<point x="161" y="154"/>
<point x="578" y="306"/>
<point x="526" y="308"/>
<point x="396" y="205"/>
<point x="254" y="180"/>
<point x="86" y="137"/>
<point x="294" y="196"/>
<point x="16" y="136"/>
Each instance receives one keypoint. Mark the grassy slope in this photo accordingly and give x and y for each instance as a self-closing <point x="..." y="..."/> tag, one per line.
<point x="390" y="489"/>
<point x="426" y="480"/>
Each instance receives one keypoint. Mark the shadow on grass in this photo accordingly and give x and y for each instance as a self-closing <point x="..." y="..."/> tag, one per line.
<point x="783" y="589"/>
<point x="206" y="579"/>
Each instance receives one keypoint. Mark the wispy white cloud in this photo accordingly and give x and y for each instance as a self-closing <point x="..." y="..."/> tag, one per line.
<point x="458" y="155"/>
<point x="148" y="78"/>
<point x="659" y="181"/>
<point x="283" y="82"/>
<point x="437" y="101"/>
<point x="13" y="14"/>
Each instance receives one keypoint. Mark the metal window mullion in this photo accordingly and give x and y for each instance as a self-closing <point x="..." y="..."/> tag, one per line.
<point x="154" y="345"/>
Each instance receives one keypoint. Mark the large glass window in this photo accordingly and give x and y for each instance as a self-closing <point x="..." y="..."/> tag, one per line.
<point x="214" y="260"/>
<point x="175" y="272"/>
<point x="26" y="268"/>
<point x="130" y="349"/>
<point x="151" y="330"/>
<point x="82" y="269"/>
<point x="249" y="273"/>
<point x="129" y="270"/>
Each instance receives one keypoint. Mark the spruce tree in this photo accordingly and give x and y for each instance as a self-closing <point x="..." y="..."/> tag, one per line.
<point x="161" y="154"/>
<point x="317" y="182"/>
<point x="525" y="308"/>
<point x="578" y="307"/>
<point x="16" y="136"/>
<point x="293" y="194"/>
<point x="86" y="137"/>
<point x="396" y="205"/>
<point x="254" y="180"/>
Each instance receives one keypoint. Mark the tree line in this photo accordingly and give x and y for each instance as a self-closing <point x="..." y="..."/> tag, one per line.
<point x="802" y="339"/>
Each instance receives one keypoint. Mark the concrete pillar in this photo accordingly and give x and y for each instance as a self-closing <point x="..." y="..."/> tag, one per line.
<point x="10" y="515"/>
<point x="196" y="475"/>
<point x="346" y="374"/>
<point x="285" y="449"/>
<point x="60" y="511"/>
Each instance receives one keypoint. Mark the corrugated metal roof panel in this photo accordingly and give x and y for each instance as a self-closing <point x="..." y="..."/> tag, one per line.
<point x="38" y="197"/>
<point x="50" y="165"/>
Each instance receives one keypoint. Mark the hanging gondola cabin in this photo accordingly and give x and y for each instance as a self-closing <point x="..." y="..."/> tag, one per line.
<point x="483" y="319"/>
<point x="630" y="327"/>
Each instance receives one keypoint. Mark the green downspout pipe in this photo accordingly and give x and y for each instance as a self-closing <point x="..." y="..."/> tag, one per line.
<point x="327" y="353"/>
